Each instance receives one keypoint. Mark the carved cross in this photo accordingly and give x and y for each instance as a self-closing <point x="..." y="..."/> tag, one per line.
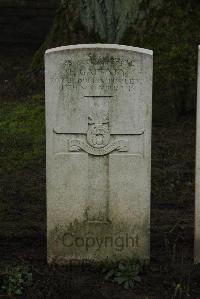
<point x="100" y="145"/>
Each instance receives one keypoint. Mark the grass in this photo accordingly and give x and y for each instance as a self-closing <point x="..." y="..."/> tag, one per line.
<point x="22" y="172"/>
<point x="23" y="209"/>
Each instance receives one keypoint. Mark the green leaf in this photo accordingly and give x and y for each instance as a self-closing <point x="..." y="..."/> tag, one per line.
<point x="18" y="292"/>
<point x="121" y="266"/>
<point x="120" y="280"/>
<point x="131" y="283"/>
<point x="109" y="274"/>
<point x="137" y="278"/>
<point x="126" y="285"/>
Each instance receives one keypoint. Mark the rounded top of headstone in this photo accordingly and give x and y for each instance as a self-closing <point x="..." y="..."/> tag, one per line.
<point x="100" y="46"/>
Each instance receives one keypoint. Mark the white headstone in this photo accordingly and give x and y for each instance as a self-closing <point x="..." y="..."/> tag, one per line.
<point x="197" y="185"/>
<point x="98" y="125"/>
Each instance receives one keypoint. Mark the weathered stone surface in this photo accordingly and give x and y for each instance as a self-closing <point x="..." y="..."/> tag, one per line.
<point x="98" y="124"/>
<point x="197" y="189"/>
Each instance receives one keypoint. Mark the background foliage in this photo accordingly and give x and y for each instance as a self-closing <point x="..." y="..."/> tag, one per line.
<point x="169" y="28"/>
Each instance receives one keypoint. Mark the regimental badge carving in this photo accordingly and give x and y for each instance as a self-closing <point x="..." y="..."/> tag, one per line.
<point x="98" y="137"/>
<point x="98" y="134"/>
<point x="98" y="118"/>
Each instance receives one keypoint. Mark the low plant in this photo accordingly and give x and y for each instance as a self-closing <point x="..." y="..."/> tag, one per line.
<point x="181" y="287"/>
<point x="125" y="273"/>
<point x="15" y="280"/>
<point x="181" y="291"/>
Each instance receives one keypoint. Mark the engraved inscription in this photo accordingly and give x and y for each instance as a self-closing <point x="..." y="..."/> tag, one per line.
<point x="107" y="73"/>
<point x="76" y="145"/>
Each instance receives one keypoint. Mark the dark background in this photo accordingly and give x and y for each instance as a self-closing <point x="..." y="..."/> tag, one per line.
<point x="171" y="30"/>
<point x="25" y="23"/>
